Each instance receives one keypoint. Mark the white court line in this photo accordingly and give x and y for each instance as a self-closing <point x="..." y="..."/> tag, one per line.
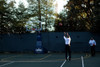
<point x="63" y="63"/>
<point x="82" y="61"/>
<point x="6" y="64"/>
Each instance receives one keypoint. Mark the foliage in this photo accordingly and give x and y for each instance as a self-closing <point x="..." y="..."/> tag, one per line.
<point x="13" y="20"/>
<point x="82" y="15"/>
<point x="44" y="15"/>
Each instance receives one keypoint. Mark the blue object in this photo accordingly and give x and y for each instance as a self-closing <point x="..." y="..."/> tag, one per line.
<point x="39" y="47"/>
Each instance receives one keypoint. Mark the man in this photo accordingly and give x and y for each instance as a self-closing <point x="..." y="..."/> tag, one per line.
<point x="67" y="45"/>
<point x="92" y="43"/>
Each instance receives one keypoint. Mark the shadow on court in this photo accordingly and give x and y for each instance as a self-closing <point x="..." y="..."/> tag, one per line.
<point x="48" y="60"/>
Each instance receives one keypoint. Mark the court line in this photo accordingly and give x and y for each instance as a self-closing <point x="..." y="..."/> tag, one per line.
<point x="63" y="63"/>
<point x="44" y="57"/>
<point x="82" y="61"/>
<point x="9" y="57"/>
<point x="6" y="64"/>
<point x="34" y="61"/>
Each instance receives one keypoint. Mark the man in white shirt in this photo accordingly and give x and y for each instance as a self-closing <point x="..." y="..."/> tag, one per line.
<point x="92" y="43"/>
<point x="67" y="45"/>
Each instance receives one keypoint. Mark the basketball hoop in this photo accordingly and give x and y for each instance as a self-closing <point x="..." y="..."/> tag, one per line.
<point x="34" y="28"/>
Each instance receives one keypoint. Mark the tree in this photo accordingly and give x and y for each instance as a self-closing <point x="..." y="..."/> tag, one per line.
<point x="13" y="19"/>
<point x="46" y="12"/>
<point x="5" y="23"/>
<point x="96" y="17"/>
<point x="81" y="15"/>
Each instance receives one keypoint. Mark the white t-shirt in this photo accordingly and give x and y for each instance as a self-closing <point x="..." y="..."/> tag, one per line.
<point x="92" y="42"/>
<point x="67" y="40"/>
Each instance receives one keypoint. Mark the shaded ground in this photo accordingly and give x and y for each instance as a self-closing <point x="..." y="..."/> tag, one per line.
<point x="48" y="60"/>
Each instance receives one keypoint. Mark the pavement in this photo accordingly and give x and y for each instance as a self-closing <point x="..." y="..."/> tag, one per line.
<point x="49" y="60"/>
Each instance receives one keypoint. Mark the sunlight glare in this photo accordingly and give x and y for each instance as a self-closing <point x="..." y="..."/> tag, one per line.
<point x="60" y="5"/>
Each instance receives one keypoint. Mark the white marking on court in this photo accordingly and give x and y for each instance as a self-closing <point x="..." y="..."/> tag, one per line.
<point x="82" y="61"/>
<point x="63" y="63"/>
<point x="6" y="64"/>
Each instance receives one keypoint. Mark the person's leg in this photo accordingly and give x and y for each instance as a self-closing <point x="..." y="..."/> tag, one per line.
<point x="91" y="50"/>
<point x="69" y="50"/>
<point x="66" y="52"/>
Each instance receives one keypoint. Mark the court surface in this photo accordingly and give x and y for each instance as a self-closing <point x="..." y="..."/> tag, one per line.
<point x="48" y="60"/>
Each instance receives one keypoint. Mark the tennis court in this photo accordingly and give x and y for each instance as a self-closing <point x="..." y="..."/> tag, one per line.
<point x="48" y="60"/>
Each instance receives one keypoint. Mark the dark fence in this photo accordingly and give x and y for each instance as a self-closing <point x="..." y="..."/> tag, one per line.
<point x="52" y="41"/>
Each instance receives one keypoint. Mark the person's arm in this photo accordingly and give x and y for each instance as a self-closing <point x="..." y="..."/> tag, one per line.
<point x="70" y="38"/>
<point x="67" y="34"/>
<point x="89" y="41"/>
<point x="64" y="33"/>
<point x="94" y="42"/>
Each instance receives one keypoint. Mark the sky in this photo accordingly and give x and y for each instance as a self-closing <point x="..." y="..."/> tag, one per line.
<point x="24" y="1"/>
<point x="61" y="3"/>
<point x="19" y="1"/>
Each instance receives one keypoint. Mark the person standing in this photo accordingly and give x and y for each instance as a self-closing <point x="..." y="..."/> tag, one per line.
<point x="92" y="43"/>
<point x="67" y="45"/>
